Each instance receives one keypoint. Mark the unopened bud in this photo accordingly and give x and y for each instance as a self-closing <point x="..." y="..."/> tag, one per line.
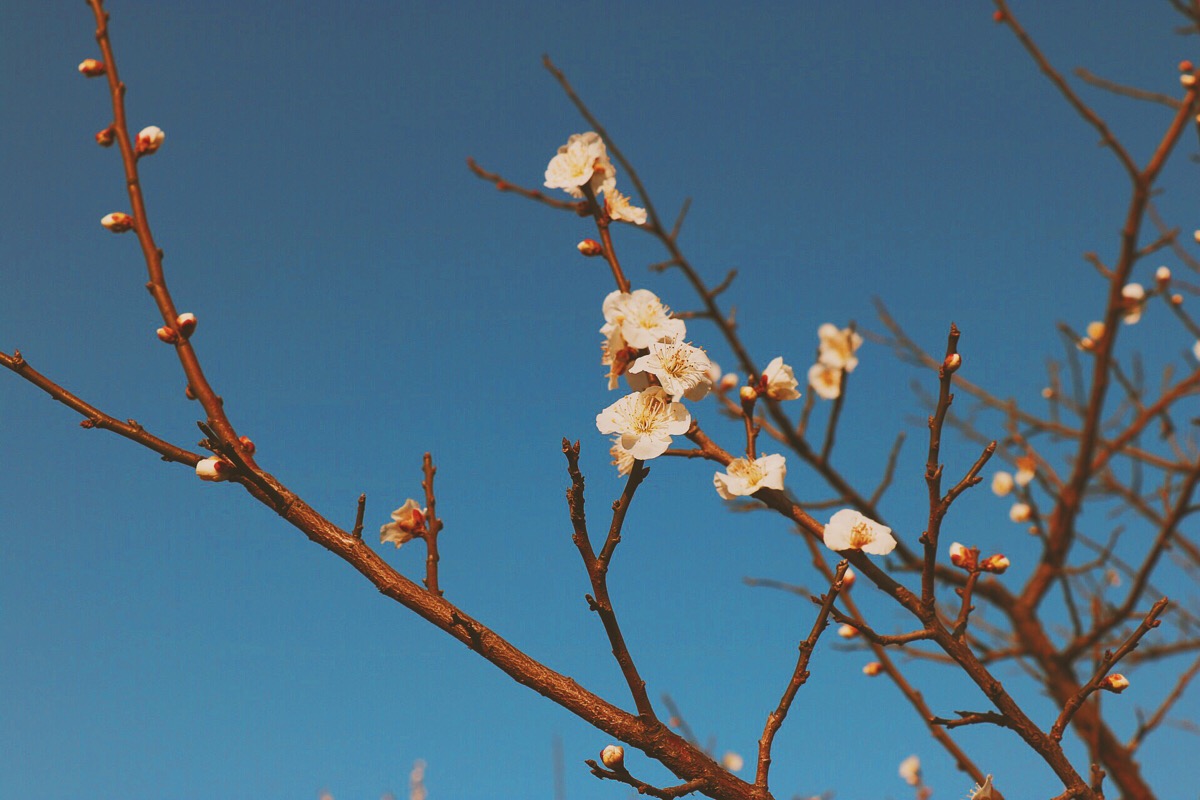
<point x="186" y="323"/>
<point x="748" y="394"/>
<point x="117" y="222"/>
<point x="1196" y="233"/>
<point x="1162" y="274"/>
<point x="872" y="668"/>
<point x="1115" y="683"/>
<point x="1020" y="512"/>
<point x="213" y="469"/>
<point x="188" y="393"/>
<point x="995" y="563"/>
<point x="728" y="381"/>
<point x="613" y="756"/>
<point x="848" y="579"/>
<point x="1186" y="66"/>
<point x="149" y="140"/>
<point x="1095" y="330"/>
<point x="961" y="556"/>
<point x="847" y="631"/>
<point x="246" y="444"/>
<point x="1086" y="343"/>
<point x="1047" y="393"/>
<point x="91" y="68"/>
<point x="952" y="363"/>
<point x="1176" y="299"/>
<point x="590" y="247"/>
<point x="1187" y="80"/>
<point x="997" y="16"/>
<point x="105" y="137"/>
<point x="168" y="335"/>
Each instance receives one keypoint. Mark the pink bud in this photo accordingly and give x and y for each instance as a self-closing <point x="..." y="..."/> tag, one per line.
<point x="1115" y="683"/>
<point x="117" y="222"/>
<point x="91" y="68"/>
<point x="186" y="323"/>
<point x="246" y="444"/>
<point x="613" y="756"/>
<point x="149" y="140"/>
<point x="952" y="363"/>
<point x="1186" y="66"/>
<point x="213" y="469"/>
<point x="590" y="247"/>
<point x="961" y="556"/>
<point x="168" y="335"/>
<point x="105" y="137"/>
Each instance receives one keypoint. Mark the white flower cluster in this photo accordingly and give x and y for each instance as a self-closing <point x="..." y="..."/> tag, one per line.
<point x="583" y="162"/>
<point x="835" y="357"/>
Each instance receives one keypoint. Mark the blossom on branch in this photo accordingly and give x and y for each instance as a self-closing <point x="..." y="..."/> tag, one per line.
<point x="850" y="530"/>
<point x="645" y="422"/>
<point x="1002" y="483"/>
<point x="825" y="380"/>
<point x="91" y="68"/>
<point x="838" y="347"/>
<point x="640" y="317"/>
<point x="910" y="770"/>
<point x="622" y="459"/>
<point x="213" y="469"/>
<point x="619" y="207"/>
<point x="149" y="139"/>
<point x="777" y="381"/>
<point x="117" y="222"/>
<point x="744" y="477"/>
<point x="582" y="161"/>
<point x="1020" y="512"/>
<point x="408" y="522"/>
<point x="1134" y="296"/>
<point x="681" y="369"/>
<point x="613" y="756"/>
<point x="1115" y="683"/>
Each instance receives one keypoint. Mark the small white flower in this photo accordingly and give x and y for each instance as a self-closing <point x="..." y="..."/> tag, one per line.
<point x="1020" y="512"/>
<point x="582" y="161"/>
<point x="778" y="381"/>
<point x="149" y="139"/>
<point x="732" y="761"/>
<point x="646" y="421"/>
<point x="622" y="459"/>
<point x="615" y="354"/>
<point x="1134" y="294"/>
<point x="408" y="522"/>
<point x="680" y="368"/>
<point x="1002" y="483"/>
<point x="618" y="207"/>
<point x="641" y="317"/>
<point x="745" y="477"/>
<point x="910" y="770"/>
<point x="213" y="469"/>
<point x="838" y="347"/>
<point x="825" y="380"/>
<point x="850" y="530"/>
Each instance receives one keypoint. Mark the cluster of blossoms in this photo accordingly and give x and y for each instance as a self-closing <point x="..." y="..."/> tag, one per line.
<point x="1003" y="484"/>
<point x="835" y="357"/>
<point x="582" y="166"/>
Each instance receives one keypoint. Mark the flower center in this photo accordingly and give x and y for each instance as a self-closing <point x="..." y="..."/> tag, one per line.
<point x="649" y="414"/>
<point x="746" y="469"/>
<point x="861" y="535"/>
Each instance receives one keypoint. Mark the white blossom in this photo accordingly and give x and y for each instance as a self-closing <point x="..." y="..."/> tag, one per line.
<point x="622" y="459"/>
<point x="149" y="139"/>
<point x="910" y="770"/>
<point x="745" y="477"/>
<point x="983" y="791"/>
<point x="825" y="380"/>
<point x="645" y="421"/>
<point x="619" y="207"/>
<point x="641" y="318"/>
<point x="213" y="469"/>
<point x="850" y="530"/>
<point x="778" y="381"/>
<point x="838" y="347"/>
<point x="1134" y="295"/>
<point x="582" y="161"/>
<point x="613" y="756"/>
<point x="408" y="521"/>
<point x="1002" y="483"/>
<point x="681" y="369"/>
<point x="732" y="761"/>
<point x="1020" y="512"/>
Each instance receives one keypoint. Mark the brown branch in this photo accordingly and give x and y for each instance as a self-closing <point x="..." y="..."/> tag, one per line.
<point x="1125" y="91"/>
<point x="622" y="775"/>
<point x="1145" y="727"/>
<point x="433" y="526"/>
<point x="356" y="531"/>
<point x="577" y="206"/>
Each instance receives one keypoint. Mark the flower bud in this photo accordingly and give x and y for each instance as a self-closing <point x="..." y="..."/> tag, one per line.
<point x="1115" y="683"/>
<point x="1095" y="330"/>
<point x="1086" y="343"/>
<point x="1162" y="274"/>
<point x="1020" y="512"/>
<point x="996" y="563"/>
<point x="149" y="140"/>
<point x="848" y="579"/>
<point x="246" y="444"/>
<point x="91" y="68"/>
<point x="997" y="16"/>
<point x="186" y="323"/>
<point x="105" y="137"/>
<point x="732" y="761"/>
<point x="728" y="381"/>
<point x="167" y="335"/>
<point x="1187" y="80"/>
<point x="952" y="363"/>
<point x="1026" y="469"/>
<point x="613" y="756"/>
<point x="1196" y="233"/>
<point x="961" y="556"/>
<point x="1002" y="483"/>
<point x="872" y="668"/>
<point x="1047" y="393"/>
<point x="117" y="222"/>
<point x="213" y="469"/>
<point x="590" y="247"/>
<point x="847" y="631"/>
<point x="1186" y="66"/>
<point x="748" y="394"/>
<point x="1176" y="299"/>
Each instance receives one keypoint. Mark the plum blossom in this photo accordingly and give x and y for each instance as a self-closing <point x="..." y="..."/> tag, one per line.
<point x="996" y="563"/>
<point x="825" y="380"/>
<point x="1002" y="483"/>
<point x="778" y="382"/>
<point x="619" y="207"/>
<point x="910" y="770"/>
<point x="850" y="530"/>
<point x="615" y="354"/>
<point x="745" y="477"/>
<point x="681" y="369"/>
<point x="622" y="459"/>
<point x="732" y="761"/>
<point x="641" y="318"/>
<point x="1020" y="512"/>
<point x="1134" y="295"/>
<point x="408" y="522"/>
<point x="149" y="139"/>
<point x="847" y="631"/>
<point x="213" y="469"/>
<point x="646" y="421"/>
<point x="613" y="756"/>
<point x="582" y="161"/>
<point x="838" y="347"/>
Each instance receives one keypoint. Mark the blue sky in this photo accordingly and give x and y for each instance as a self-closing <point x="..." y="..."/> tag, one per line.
<point x="363" y="298"/>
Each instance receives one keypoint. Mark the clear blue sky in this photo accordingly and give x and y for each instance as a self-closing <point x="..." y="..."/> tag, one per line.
<point x="363" y="298"/>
